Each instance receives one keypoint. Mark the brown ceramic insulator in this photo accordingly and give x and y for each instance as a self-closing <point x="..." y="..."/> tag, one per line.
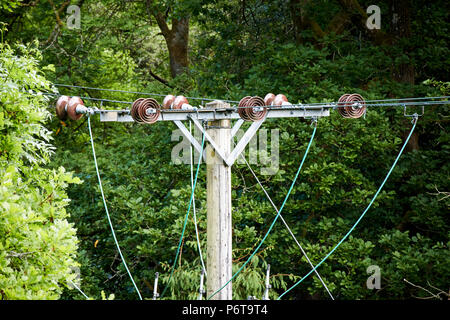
<point x="279" y="99"/>
<point x="241" y="108"/>
<point x="168" y="100"/>
<point x="61" y="112"/>
<point x="146" y="104"/>
<point x="268" y="99"/>
<point x="179" y="101"/>
<point x="341" y="106"/>
<point x="252" y="113"/>
<point x="72" y="108"/>
<point x="134" y="110"/>
<point x="353" y="111"/>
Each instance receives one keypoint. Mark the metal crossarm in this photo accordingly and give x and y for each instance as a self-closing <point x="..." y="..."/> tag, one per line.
<point x="219" y="114"/>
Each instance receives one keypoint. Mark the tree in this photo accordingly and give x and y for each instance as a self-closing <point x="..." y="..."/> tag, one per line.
<point x="38" y="245"/>
<point x="177" y="37"/>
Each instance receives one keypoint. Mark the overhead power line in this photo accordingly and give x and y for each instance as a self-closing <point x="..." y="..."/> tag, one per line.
<point x="362" y="215"/>
<point x="287" y="226"/>
<point x="276" y="217"/>
<point x="106" y="209"/>
<point x="133" y="92"/>
<point x="186" y="217"/>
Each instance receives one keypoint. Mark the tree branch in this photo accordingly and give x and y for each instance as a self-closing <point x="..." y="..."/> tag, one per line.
<point x="160" y="20"/>
<point x="19" y="255"/>
<point x="59" y="11"/>
<point x="432" y="294"/>
<point x="156" y="77"/>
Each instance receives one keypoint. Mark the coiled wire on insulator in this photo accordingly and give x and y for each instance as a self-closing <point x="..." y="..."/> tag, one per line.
<point x="145" y="110"/>
<point x="252" y="108"/>
<point x="351" y="106"/>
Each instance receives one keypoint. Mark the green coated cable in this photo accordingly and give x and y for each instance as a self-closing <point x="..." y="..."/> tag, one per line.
<point x="193" y="206"/>
<point x="81" y="291"/>
<point x="362" y="215"/>
<point x="106" y="208"/>
<point x="187" y="215"/>
<point x="278" y="214"/>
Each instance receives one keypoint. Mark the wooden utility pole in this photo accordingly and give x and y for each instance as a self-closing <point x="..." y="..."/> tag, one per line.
<point x="219" y="160"/>
<point x="219" y="259"/>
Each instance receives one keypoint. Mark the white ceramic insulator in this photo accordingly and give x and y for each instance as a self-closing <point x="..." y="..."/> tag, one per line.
<point x="186" y="106"/>
<point x="81" y="109"/>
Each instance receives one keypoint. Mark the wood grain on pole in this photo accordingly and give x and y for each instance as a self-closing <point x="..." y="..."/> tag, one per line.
<point x="219" y="259"/>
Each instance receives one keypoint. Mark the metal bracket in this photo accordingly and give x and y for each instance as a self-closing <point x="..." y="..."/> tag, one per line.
<point x="155" y="287"/>
<point x="414" y="114"/>
<point x="211" y="141"/>
<point x="201" y="291"/>
<point x="268" y="286"/>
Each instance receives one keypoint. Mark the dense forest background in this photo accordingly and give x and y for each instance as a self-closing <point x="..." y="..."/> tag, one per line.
<point x="312" y="51"/>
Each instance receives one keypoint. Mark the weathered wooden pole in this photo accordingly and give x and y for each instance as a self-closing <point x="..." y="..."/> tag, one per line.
<point x="219" y="259"/>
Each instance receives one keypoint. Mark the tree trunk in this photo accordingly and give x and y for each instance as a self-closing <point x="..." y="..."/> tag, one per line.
<point x="177" y="39"/>
<point x="401" y="25"/>
<point x="301" y="21"/>
<point x="177" y="43"/>
<point x="405" y="72"/>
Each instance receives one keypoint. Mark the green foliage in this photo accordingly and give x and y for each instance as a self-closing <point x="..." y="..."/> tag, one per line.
<point x="240" y="48"/>
<point x="37" y="243"/>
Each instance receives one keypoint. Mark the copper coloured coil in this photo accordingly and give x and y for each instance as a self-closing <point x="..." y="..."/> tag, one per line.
<point x="148" y="104"/>
<point x="168" y="101"/>
<point x="134" y="110"/>
<point x="279" y="99"/>
<point x="72" y="108"/>
<point x="241" y="108"/>
<point x="179" y="101"/>
<point x="353" y="111"/>
<point x="268" y="99"/>
<point x="61" y="112"/>
<point x="341" y="106"/>
<point x="255" y="115"/>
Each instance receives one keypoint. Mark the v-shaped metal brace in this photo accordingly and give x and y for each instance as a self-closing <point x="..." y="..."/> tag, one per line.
<point x="231" y="158"/>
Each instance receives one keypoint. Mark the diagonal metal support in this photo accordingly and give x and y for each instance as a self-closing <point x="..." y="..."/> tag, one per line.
<point x="244" y="141"/>
<point x="236" y="127"/>
<point x="189" y="136"/>
<point x="211" y="141"/>
<point x="229" y="161"/>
